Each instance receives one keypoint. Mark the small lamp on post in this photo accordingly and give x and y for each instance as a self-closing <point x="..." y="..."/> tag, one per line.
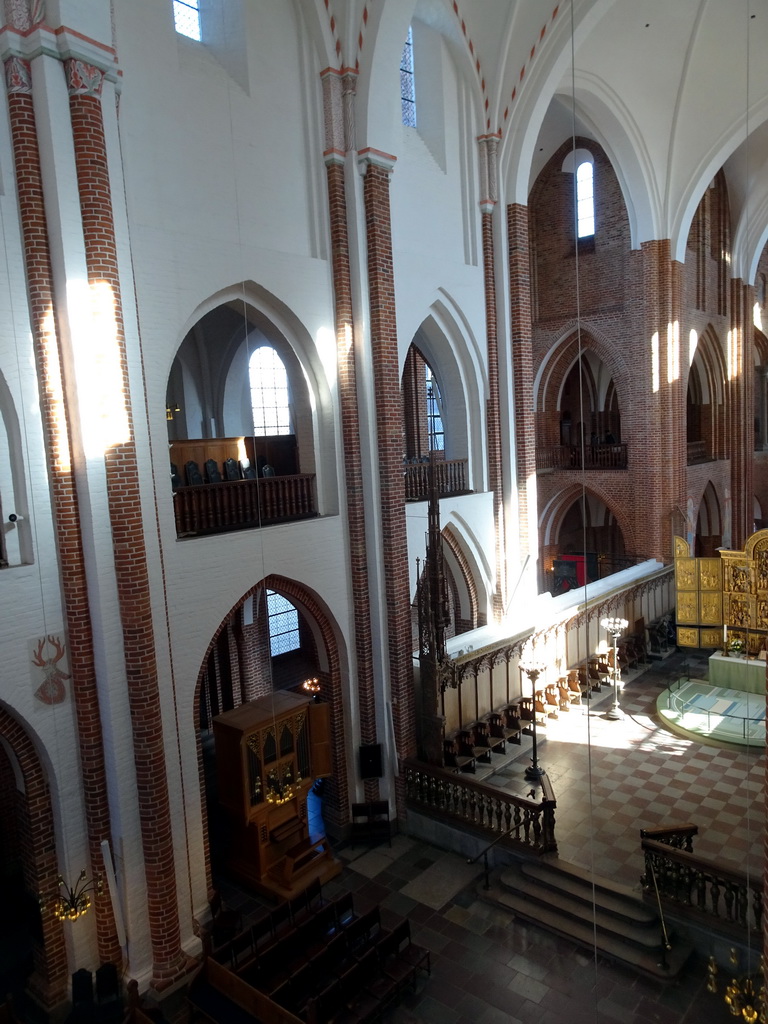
<point x="615" y="627"/>
<point x="534" y="771"/>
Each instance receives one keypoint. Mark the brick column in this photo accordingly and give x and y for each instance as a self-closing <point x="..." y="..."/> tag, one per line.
<point x="338" y="96"/>
<point x="522" y="370"/>
<point x="130" y="557"/>
<point x="660" y="454"/>
<point x="488" y="200"/>
<point x="740" y="384"/>
<point x="389" y="427"/>
<point x="66" y="517"/>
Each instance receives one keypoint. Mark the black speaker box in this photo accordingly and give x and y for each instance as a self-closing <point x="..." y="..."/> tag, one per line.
<point x="370" y="761"/>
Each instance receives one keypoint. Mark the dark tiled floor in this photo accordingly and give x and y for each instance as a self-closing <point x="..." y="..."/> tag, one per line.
<point x="610" y="778"/>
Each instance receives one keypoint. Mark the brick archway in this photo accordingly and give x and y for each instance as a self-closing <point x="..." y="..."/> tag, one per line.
<point x="50" y="974"/>
<point x="337" y="793"/>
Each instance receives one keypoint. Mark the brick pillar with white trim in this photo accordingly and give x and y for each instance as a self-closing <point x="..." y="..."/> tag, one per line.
<point x="84" y="84"/>
<point x="489" y="197"/>
<point x="338" y="97"/>
<point x="66" y="516"/>
<point x="521" y="340"/>
<point x="377" y="168"/>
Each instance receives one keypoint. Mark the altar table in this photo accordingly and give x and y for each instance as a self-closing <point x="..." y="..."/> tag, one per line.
<point x="737" y="673"/>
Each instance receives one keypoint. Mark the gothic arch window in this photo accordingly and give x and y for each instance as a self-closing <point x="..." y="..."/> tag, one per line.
<point x="580" y="163"/>
<point x="408" y="83"/>
<point x="283" y="624"/>
<point x="186" y="18"/>
<point x="434" y="412"/>
<point x="585" y="200"/>
<point x="423" y="407"/>
<point x="269" y="393"/>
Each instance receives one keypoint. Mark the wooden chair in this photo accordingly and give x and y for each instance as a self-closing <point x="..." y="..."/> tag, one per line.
<point x="456" y="761"/>
<point x="411" y="952"/>
<point x="566" y="697"/>
<point x="484" y="738"/>
<point x="193" y="474"/>
<point x="212" y="471"/>
<point x="468" y="746"/>
<point x="231" y="469"/>
<point x="550" y="698"/>
<point x="511" y="715"/>
<point x="225" y="922"/>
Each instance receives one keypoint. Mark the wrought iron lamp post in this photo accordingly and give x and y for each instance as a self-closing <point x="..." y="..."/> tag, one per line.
<point x="615" y="627"/>
<point x="534" y="771"/>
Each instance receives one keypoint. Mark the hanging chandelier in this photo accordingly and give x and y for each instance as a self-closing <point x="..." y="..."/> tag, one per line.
<point x="69" y="903"/>
<point x="743" y="996"/>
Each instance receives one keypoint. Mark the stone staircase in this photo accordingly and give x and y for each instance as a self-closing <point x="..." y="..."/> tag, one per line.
<point x="594" y="913"/>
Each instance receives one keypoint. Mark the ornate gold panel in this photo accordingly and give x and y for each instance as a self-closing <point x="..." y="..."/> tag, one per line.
<point x="710" y="576"/>
<point x="687" y="606"/>
<point x="711" y="608"/>
<point x="712" y="638"/>
<point x="687" y="637"/>
<point x="682" y="550"/>
<point x="731" y="589"/>
<point x="685" y="573"/>
<point x="737" y="578"/>
<point x="740" y="611"/>
<point x="761" y="566"/>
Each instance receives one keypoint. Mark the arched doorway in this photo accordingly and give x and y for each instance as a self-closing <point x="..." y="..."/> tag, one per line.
<point x="709" y="529"/>
<point x="583" y="542"/>
<point x="276" y="636"/>
<point x="29" y="866"/>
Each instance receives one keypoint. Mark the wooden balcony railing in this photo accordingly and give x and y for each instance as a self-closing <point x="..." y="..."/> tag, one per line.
<point x="239" y="504"/>
<point x="697" y="452"/>
<point x="698" y="889"/>
<point x="569" y="456"/>
<point x="442" y="794"/>
<point x="451" y="478"/>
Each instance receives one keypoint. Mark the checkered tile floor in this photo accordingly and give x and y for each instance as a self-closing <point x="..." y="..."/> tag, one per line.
<point x="614" y="778"/>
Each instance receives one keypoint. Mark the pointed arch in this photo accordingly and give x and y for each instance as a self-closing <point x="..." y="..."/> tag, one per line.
<point x="40" y="862"/>
<point x="334" y="662"/>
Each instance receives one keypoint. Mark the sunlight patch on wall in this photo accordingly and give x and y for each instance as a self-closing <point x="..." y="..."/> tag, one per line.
<point x="693" y="341"/>
<point x="673" y="351"/>
<point x="102" y="396"/>
<point x="655" y="372"/>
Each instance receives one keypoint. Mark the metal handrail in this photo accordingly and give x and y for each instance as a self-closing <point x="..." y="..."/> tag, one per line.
<point x="666" y="945"/>
<point x="484" y="855"/>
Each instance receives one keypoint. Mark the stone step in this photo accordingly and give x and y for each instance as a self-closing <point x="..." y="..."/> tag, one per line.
<point x="608" y="916"/>
<point x="570" y="880"/>
<point x="620" y="927"/>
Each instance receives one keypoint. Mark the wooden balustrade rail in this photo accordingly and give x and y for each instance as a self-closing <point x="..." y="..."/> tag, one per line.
<point x="697" y="889"/>
<point x="697" y="452"/>
<point x="450" y="474"/>
<point x="569" y="456"/>
<point x="450" y="797"/>
<point x="237" y="504"/>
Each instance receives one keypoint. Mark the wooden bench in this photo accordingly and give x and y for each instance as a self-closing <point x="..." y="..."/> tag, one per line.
<point x="222" y="997"/>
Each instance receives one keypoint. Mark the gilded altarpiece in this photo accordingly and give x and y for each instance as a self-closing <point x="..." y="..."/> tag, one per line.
<point x="725" y="599"/>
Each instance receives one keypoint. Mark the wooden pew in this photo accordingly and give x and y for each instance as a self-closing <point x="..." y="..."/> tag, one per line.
<point x="220" y="996"/>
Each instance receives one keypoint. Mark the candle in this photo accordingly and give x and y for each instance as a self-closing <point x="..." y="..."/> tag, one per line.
<point x="725" y="635"/>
